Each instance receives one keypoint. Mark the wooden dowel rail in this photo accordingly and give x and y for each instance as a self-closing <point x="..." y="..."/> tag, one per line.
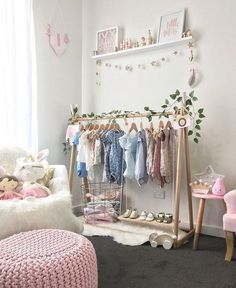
<point x="123" y="116"/>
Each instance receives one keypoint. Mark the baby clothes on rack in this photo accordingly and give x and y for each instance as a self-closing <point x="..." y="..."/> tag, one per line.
<point x="156" y="165"/>
<point x="113" y="163"/>
<point x="129" y="145"/>
<point x="141" y="158"/>
<point x="150" y="151"/>
<point x="164" y="163"/>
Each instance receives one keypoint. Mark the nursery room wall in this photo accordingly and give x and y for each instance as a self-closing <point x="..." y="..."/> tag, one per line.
<point x="59" y="77"/>
<point x="212" y="24"/>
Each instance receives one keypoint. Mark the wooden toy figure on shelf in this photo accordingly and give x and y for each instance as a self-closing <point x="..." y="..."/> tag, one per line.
<point x="150" y="38"/>
<point x="143" y="42"/>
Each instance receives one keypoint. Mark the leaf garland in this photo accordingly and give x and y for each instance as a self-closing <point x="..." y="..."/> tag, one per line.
<point x="197" y="116"/>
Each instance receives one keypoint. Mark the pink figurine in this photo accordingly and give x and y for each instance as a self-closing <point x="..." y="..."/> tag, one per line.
<point x="219" y="187"/>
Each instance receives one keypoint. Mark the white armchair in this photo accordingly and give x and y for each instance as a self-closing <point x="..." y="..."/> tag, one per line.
<point x="52" y="212"/>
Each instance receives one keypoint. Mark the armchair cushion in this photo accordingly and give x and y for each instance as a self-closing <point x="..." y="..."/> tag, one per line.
<point x="230" y="200"/>
<point x="229" y="222"/>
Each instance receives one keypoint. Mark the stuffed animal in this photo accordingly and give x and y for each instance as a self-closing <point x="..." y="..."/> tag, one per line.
<point x="219" y="187"/>
<point x="29" y="173"/>
<point x="8" y="185"/>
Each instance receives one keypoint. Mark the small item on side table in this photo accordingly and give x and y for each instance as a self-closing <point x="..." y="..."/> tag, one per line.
<point x="219" y="187"/>
<point x="199" y="187"/>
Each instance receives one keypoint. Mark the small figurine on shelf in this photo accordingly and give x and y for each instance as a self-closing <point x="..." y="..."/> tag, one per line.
<point x="143" y="42"/>
<point x="150" y="38"/>
<point x="187" y="33"/>
<point x="130" y="45"/>
<point x="123" y="44"/>
<point x="126" y="44"/>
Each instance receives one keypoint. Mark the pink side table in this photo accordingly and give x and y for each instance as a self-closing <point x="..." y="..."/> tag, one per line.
<point x="203" y="198"/>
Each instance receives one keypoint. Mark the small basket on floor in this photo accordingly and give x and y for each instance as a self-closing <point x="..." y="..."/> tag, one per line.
<point x="102" y="202"/>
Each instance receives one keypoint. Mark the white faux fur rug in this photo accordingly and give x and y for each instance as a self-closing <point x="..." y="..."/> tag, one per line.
<point x="124" y="233"/>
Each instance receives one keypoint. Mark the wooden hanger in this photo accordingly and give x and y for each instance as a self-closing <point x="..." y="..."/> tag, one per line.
<point x="81" y="127"/>
<point x="107" y="126"/>
<point x="151" y="127"/>
<point x="168" y="125"/>
<point x="161" y="125"/>
<point x="133" y="127"/>
<point x="91" y="127"/>
<point x="101" y="127"/>
<point x="111" y="126"/>
<point x="141" y="124"/>
<point x="117" y="127"/>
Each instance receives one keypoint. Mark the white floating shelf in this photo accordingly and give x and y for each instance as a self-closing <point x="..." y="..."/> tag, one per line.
<point x="156" y="46"/>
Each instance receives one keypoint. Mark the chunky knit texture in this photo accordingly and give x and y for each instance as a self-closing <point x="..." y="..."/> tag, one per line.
<point x="47" y="258"/>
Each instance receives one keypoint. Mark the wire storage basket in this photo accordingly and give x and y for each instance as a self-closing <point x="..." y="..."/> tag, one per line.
<point x="102" y="202"/>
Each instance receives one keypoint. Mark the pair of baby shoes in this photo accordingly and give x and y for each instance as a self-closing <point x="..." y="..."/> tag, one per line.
<point x="164" y="217"/>
<point x="144" y="216"/>
<point x="129" y="213"/>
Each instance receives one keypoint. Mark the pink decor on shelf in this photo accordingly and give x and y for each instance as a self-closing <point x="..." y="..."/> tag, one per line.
<point x="47" y="258"/>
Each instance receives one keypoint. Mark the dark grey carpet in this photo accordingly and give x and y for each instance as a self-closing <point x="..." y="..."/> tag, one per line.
<point x="121" y="266"/>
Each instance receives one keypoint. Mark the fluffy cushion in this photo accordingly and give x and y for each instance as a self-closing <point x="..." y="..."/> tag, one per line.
<point x="54" y="211"/>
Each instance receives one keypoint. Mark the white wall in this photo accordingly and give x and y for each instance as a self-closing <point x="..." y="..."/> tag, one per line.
<point x="213" y="26"/>
<point x="59" y="78"/>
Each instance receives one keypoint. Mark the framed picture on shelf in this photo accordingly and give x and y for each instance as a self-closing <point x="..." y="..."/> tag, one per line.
<point x="171" y="26"/>
<point x="107" y="40"/>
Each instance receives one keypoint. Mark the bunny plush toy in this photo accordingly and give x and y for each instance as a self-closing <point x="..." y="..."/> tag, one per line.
<point x="28" y="171"/>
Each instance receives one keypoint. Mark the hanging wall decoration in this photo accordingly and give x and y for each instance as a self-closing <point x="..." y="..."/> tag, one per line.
<point x="156" y="62"/>
<point x="56" y="31"/>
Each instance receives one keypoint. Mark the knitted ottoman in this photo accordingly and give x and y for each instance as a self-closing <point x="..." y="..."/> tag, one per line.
<point x="47" y="258"/>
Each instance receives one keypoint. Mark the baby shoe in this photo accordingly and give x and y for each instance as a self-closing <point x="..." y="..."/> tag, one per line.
<point x="127" y="213"/>
<point x="160" y="217"/>
<point x="134" y="214"/>
<point x="150" y="217"/>
<point x="143" y="216"/>
<point x="168" y="218"/>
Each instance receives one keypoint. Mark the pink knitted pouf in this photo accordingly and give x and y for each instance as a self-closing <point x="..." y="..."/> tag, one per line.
<point x="47" y="258"/>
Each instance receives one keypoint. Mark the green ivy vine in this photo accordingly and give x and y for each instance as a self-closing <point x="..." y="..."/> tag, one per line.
<point x="172" y="105"/>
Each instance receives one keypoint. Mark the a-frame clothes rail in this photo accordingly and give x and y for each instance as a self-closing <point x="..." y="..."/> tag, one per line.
<point x="183" y="148"/>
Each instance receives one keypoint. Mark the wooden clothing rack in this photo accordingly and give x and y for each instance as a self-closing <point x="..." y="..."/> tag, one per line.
<point x="183" y="147"/>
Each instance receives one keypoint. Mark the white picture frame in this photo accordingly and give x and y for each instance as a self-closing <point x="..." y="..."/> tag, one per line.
<point x="171" y="26"/>
<point x="107" y="40"/>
